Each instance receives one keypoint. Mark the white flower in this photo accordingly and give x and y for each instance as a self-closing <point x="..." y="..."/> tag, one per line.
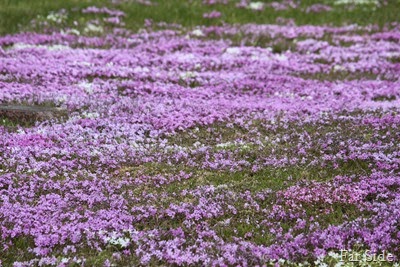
<point x="256" y="6"/>
<point x="56" y="17"/>
<point x="116" y="240"/>
<point x="338" y="68"/>
<point x="223" y="186"/>
<point x="87" y="87"/>
<point x="64" y="260"/>
<point x="224" y="145"/>
<point x="233" y="50"/>
<point x="139" y="69"/>
<point x="357" y="2"/>
<point x="93" y="28"/>
<point x="18" y="46"/>
<point x="334" y="255"/>
<point x="187" y="75"/>
<point x="74" y="31"/>
<point x="58" y="47"/>
<point x="197" y="144"/>
<point x="198" y="33"/>
<point x="122" y="242"/>
<point x="61" y="99"/>
<point x="281" y="57"/>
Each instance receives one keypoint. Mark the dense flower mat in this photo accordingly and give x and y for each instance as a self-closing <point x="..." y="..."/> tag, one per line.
<point x="197" y="147"/>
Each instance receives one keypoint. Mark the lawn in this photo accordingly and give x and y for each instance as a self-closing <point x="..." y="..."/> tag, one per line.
<point x="201" y="133"/>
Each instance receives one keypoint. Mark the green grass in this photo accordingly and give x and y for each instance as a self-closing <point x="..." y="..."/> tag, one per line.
<point x="7" y="123"/>
<point x="15" y="15"/>
<point x="18" y="251"/>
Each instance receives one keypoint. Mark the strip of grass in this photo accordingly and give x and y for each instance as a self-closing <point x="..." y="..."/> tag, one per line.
<point x="17" y="14"/>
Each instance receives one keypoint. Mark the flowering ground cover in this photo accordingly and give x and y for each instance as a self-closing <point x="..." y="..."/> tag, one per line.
<point x="209" y="140"/>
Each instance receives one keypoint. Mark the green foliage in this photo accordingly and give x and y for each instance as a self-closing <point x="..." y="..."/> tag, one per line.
<point x="16" y="15"/>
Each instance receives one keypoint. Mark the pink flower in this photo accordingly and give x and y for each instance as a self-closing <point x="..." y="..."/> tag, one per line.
<point x="212" y="15"/>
